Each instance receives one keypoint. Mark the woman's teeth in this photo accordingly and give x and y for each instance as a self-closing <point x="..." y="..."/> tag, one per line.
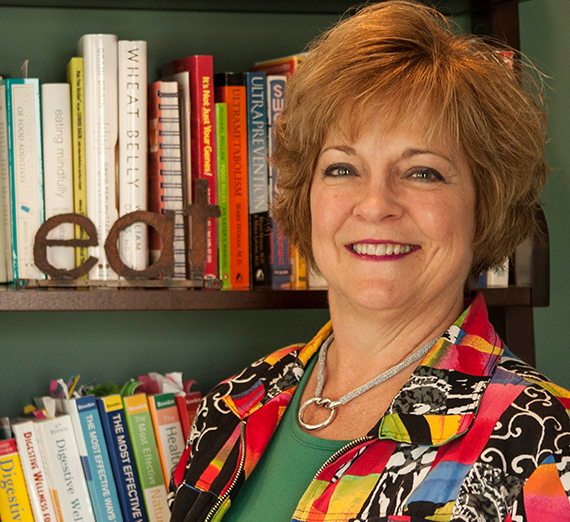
<point x="384" y="249"/>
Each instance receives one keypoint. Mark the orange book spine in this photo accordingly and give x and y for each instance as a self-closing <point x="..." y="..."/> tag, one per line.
<point x="230" y="89"/>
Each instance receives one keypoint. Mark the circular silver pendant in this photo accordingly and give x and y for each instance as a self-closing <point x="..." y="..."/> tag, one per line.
<point x="319" y="401"/>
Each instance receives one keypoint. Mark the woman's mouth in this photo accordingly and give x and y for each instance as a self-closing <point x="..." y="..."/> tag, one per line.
<point x="382" y="249"/>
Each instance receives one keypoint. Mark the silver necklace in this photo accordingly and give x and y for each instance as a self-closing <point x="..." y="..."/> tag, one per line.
<point x="319" y="400"/>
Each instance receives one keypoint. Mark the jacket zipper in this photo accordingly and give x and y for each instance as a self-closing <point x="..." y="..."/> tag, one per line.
<point x="340" y="453"/>
<point x="220" y="501"/>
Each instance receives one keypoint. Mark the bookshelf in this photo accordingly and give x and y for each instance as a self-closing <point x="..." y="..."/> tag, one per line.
<point x="46" y="32"/>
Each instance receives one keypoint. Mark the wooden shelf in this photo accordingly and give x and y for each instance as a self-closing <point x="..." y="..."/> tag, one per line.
<point x="168" y="299"/>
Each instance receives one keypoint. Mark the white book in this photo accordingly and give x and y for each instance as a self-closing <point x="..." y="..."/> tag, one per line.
<point x="164" y="130"/>
<point x="40" y="490"/>
<point x="26" y="173"/>
<point x="100" y="52"/>
<point x="183" y="81"/>
<point x="58" y="168"/>
<point x="315" y="280"/>
<point x="5" y="234"/>
<point x="64" y="466"/>
<point x="499" y="277"/>
<point x="133" y="147"/>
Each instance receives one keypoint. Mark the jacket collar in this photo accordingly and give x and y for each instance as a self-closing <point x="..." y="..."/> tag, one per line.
<point x="436" y="405"/>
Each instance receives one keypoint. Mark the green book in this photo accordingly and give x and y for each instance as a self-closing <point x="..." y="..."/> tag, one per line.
<point x="223" y="193"/>
<point x="145" y="450"/>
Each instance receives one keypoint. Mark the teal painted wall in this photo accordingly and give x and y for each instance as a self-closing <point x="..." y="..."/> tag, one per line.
<point x="545" y="38"/>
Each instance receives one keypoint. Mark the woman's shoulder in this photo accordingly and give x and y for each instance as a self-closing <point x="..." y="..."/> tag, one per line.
<point x="534" y="398"/>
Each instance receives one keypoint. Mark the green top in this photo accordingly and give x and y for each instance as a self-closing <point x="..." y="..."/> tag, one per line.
<point x="290" y="462"/>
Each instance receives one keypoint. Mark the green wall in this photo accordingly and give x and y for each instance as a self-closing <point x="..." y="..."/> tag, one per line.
<point x="36" y="347"/>
<point x="545" y="38"/>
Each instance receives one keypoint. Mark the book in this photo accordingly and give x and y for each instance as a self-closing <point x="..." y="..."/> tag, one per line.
<point x="75" y="78"/>
<point x="203" y="132"/>
<point x="285" y="65"/>
<point x="298" y="267"/>
<point x="58" y="167"/>
<point x="499" y="277"/>
<point x="22" y="102"/>
<point x="43" y="497"/>
<point x="230" y="88"/>
<point x="168" y="431"/>
<point x="165" y="168"/>
<point x="5" y="214"/>
<point x="280" y="262"/>
<point x="224" y="269"/>
<point x="145" y="451"/>
<point x="100" y="54"/>
<point x="259" y="224"/>
<point x="14" y="500"/>
<point x="122" y="458"/>
<point x="62" y="460"/>
<point x="94" y="455"/>
<point x="183" y="80"/>
<point x="133" y="158"/>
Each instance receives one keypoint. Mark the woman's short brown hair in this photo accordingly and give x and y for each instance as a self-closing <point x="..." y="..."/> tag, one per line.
<point x="403" y="58"/>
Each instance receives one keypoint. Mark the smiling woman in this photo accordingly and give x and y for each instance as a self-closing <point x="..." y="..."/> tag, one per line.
<point x="410" y="159"/>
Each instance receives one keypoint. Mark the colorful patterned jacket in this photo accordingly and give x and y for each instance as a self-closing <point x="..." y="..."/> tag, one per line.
<point x="474" y="435"/>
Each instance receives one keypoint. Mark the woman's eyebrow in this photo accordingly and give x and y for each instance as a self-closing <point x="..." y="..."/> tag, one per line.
<point x="415" y="152"/>
<point x="342" y="148"/>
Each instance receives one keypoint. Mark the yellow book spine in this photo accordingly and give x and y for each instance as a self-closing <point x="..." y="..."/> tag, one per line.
<point x="14" y="501"/>
<point x="298" y="272"/>
<point x="76" y="82"/>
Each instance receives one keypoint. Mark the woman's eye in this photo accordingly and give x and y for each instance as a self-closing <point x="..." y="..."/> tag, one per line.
<point x="339" y="171"/>
<point x="426" y="174"/>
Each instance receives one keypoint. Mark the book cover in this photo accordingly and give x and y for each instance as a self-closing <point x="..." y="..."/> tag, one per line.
<point x="25" y="172"/>
<point x="58" y="167"/>
<point x="165" y="168"/>
<point x="14" y="500"/>
<point x="280" y="262"/>
<point x="168" y="431"/>
<point x="133" y="158"/>
<point x="94" y="455"/>
<point x="63" y="463"/>
<point x="285" y="65"/>
<point x="76" y="83"/>
<point x="259" y="224"/>
<point x="40" y="491"/>
<point x="100" y="55"/>
<point x="145" y="450"/>
<point x="231" y="89"/>
<point x="122" y="458"/>
<point x="223" y="196"/>
<point x="5" y="214"/>
<point x="203" y="132"/>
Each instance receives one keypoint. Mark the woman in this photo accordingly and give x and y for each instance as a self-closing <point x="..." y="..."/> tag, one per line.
<point x="410" y="159"/>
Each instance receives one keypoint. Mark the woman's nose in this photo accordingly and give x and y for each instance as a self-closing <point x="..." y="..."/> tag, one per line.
<point x="378" y="201"/>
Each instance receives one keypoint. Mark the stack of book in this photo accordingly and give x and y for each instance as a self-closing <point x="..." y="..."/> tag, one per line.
<point x="100" y="459"/>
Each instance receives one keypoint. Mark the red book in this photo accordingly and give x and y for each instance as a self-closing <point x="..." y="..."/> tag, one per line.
<point x="230" y="89"/>
<point x="285" y="66"/>
<point x="203" y="143"/>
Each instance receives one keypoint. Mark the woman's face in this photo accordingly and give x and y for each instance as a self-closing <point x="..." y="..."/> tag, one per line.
<point x="393" y="217"/>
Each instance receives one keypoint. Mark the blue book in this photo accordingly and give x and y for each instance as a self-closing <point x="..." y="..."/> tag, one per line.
<point x="280" y="266"/>
<point x="122" y="458"/>
<point x="20" y="99"/>
<point x="258" y="179"/>
<point x="94" y="457"/>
